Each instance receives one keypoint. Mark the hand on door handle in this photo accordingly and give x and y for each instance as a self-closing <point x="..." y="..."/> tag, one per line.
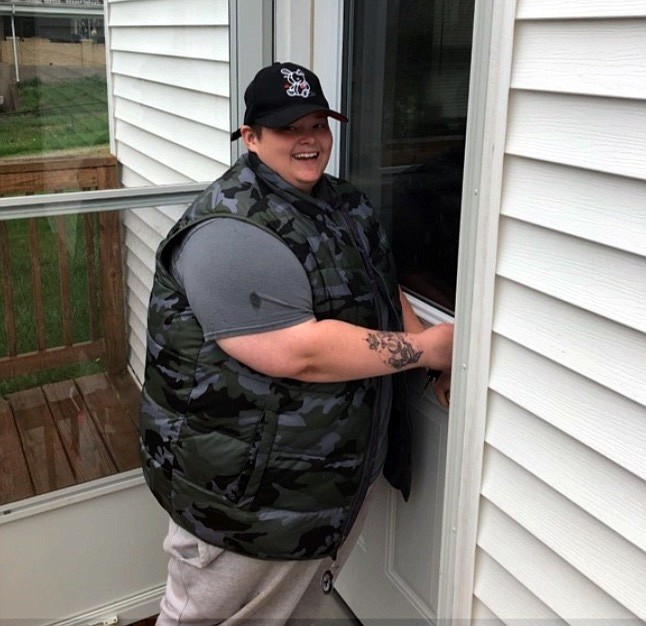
<point x="441" y="382"/>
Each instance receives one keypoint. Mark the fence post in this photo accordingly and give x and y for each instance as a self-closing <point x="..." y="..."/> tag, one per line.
<point x="111" y="264"/>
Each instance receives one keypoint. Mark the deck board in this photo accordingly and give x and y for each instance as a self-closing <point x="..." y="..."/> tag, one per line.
<point x="15" y="482"/>
<point x="129" y="395"/>
<point x="67" y="433"/>
<point x="112" y="419"/>
<point x="85" y="450"/>
<point x="46" y="458"/>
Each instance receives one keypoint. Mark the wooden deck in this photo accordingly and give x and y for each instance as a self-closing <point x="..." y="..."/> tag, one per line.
<point x="67" y="433"/>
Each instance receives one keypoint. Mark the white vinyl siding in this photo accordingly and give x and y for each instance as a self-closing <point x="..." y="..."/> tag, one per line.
<point x="170" y="77"/>
<point x="561" y="531"/>
<point x="613" y="67"/>
<point x="170" y="82"/>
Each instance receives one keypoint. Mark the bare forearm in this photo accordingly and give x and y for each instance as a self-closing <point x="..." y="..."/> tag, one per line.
<point x="330" y="350"/>
<point x="361" y="353"/>
<point x="345" y="352"/>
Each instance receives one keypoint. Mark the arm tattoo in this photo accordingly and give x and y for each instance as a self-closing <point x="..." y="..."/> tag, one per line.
<point x="393" y="349"/>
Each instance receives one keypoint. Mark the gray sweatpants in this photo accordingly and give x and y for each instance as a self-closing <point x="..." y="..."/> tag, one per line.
<point x="208" y="585"/>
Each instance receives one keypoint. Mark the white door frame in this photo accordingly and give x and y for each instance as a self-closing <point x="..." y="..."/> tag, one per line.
<point x="483" y="170"/>
<point x="251" y="22"/>
<point x="311" y="32"/>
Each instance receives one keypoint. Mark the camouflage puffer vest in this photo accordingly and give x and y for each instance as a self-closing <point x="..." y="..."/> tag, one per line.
<point x="270" y="468"/>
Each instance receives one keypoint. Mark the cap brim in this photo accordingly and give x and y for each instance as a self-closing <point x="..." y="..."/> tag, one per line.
<point x="285" y="116"/>
<point x="281" y="118"/>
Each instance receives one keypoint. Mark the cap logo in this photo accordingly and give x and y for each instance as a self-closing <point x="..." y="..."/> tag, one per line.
<point x="296" y="84"/>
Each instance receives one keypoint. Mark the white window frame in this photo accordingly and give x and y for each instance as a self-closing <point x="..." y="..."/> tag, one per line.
<point x="251" y="22"/>
<point x="98" y="498"/>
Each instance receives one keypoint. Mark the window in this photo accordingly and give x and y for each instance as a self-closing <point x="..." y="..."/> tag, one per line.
<point x="407" y="93"/>
<point x="76" y="255"/>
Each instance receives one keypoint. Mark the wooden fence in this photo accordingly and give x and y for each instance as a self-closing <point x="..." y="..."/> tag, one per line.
<point x="99" y="236"/>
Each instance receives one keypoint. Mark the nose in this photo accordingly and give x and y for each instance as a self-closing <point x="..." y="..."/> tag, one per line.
<point x="306" y="136"/>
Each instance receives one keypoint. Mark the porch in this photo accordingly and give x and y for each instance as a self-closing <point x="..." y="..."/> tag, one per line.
<point x="65" y="433"/>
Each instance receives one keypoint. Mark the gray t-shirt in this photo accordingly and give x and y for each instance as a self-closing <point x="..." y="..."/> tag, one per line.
<point x="240" y="279"/>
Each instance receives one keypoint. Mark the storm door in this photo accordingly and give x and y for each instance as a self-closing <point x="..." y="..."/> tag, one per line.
<point x="408" y="64"/>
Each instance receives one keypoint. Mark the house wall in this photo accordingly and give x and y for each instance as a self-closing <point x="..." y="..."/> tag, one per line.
<point x="170" y="79"/>
<point x="562" y="491"/>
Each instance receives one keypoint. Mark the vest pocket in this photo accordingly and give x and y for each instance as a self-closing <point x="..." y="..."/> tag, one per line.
<point x="228" y="464"/>
<point x="259" y="453"/>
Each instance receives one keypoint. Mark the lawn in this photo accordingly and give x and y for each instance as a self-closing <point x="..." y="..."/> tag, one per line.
<point x="56" y="116"/>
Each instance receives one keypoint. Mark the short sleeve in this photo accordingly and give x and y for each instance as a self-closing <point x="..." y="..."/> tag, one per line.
<point x="240" y="279"/>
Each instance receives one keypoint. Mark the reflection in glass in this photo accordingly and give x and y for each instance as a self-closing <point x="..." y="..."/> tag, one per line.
<point x="408" y="105"/>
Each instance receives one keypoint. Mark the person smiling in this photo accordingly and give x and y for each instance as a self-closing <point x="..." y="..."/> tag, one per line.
<point x="274" y="393"/>
<point x="299" y="151"/>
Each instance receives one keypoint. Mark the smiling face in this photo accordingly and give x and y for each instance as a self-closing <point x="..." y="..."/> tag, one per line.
<point x="298" y="153"/>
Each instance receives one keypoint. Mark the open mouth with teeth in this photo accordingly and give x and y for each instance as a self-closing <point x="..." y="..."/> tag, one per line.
<point x="305" y="156"/>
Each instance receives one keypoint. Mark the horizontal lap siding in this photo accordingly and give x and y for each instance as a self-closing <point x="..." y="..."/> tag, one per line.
<point x="144" y="230"/>
<point x="575" y="271"/>
<point x="577" y="9"/>
<point x="170" y="87"/>
<point x="605" y="209"/>
<point x="561" y="532"/>
<point x="612" y="68"/>
<point x="170" y="75"/>
<point x="600" y="134"/>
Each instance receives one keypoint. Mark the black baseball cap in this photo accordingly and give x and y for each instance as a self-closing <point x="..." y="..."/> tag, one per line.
<point x="282" y="93"/>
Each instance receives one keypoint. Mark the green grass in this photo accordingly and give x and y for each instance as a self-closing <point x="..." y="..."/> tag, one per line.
<point x="56" y="116"/>
<point x="67" y="372"/>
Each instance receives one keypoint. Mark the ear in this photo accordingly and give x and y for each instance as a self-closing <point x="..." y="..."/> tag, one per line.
<point x="249" y="137"/>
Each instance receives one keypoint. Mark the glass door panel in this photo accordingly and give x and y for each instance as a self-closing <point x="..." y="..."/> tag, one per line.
<point x="69" y="403"/>
<point x="407" y="91"/>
